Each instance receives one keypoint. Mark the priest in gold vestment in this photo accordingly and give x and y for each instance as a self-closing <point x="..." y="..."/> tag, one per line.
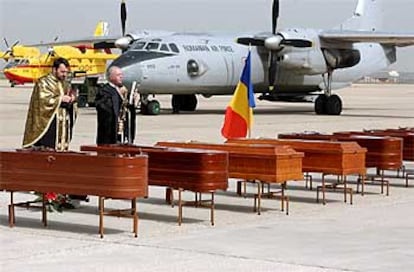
<point x="52" y="110"/>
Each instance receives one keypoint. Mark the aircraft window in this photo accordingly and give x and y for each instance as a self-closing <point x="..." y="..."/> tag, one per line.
<point x="139" y="45"/>
<point x="152" y="46"/>
<point x="11" y="64"/>
<point x="164" y="47"/>
<point x="174" y="47"/>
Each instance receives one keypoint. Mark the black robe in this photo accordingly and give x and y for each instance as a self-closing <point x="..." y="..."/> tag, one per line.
<point x="108" y="104"/>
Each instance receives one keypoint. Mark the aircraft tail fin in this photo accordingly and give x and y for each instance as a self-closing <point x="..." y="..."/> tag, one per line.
<point x="367" y="16"/>
<point x="101" y="29"/>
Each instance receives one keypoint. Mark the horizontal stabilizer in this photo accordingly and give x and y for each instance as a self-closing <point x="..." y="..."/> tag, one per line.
<point x="386" y="38"/>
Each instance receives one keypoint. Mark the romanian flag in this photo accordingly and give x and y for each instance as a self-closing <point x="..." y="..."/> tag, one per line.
<point x="239" y="113"/>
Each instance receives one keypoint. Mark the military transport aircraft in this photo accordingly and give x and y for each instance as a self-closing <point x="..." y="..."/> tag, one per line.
<point x="286" y="63"/>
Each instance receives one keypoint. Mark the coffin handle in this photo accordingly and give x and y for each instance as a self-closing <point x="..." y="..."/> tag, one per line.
<point x="51" y="158"/>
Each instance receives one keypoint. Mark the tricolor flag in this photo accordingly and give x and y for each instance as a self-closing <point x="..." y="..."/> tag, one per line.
<point x="239" y="113"/>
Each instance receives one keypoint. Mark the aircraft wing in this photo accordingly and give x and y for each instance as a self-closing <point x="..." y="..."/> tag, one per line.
<point x="98" y="42"/>
<point x="94" y="56"/>
<point x="386" y="38"/>
<point x="102" y="42"/>
<point x="73" y="53"/>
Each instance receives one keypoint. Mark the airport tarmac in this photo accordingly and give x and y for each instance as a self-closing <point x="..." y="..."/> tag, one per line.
<point x="374" y="234"/>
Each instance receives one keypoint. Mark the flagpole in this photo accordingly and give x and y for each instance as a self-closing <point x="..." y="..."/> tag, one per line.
<point x="249" y="130"/>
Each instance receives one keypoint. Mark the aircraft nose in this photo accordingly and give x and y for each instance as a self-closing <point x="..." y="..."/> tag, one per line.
<point x="130" y="66"/>
<point x="132" y="73"/>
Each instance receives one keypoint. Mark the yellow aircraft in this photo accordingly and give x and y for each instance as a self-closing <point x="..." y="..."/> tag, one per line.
<point x="27" y="64"/>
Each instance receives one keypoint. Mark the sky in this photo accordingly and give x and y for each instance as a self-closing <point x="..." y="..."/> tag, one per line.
<point x="33" y="21"/>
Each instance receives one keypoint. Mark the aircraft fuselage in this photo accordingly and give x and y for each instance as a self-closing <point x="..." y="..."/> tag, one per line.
<point x="211" y="65"/>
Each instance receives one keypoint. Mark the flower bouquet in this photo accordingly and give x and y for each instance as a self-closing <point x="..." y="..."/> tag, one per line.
<point x="56" y="202"/>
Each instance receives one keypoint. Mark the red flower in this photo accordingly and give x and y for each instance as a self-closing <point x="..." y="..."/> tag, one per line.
<point x="51" y="196"/>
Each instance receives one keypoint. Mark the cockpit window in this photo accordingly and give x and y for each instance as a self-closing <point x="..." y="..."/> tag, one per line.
<point x="16" y="62"/>
<point x="174" y="47"/>
<point x="139" y="45"/>
<point x="164" y="47"/>
<point x="152" y="46"/>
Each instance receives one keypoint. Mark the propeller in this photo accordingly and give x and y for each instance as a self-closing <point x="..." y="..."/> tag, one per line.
<point x="50" y="52"/>
<point x="274" y="44"/>
<point x="123" y="42"/>
<point x="9" y="49"/>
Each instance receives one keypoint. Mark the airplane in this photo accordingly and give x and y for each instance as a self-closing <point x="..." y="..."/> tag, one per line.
<point x="287" y="64"/>
<point x="26" y="64"/>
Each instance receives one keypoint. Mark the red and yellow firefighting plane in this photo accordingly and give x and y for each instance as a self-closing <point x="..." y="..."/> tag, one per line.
<point x="25" y="64"/>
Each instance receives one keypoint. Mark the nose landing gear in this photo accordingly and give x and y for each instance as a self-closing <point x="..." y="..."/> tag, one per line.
<point x="149" y="107"/>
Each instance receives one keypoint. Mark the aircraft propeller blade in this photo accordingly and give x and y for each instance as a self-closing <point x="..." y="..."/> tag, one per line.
<point x="275" y="15"/>
<point x="5" y="41"/>
<point x="15" y="43"/>
<point x="250" y="41"/>
<point x="272" y="70"/>
<point x="273" y="57"/>
<point x="123" y="16"/>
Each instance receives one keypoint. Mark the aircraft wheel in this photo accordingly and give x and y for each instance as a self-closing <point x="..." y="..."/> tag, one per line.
<point x="12" y="84"/>
<point x="320" y="103"/>
<point x="82" y="101"/>
<point x="143" y="109"/>
<point x="189" y="102"/>
<point x="333" y="105"/>
<point x="153" y="108"/>
<point x="176" y="102"/>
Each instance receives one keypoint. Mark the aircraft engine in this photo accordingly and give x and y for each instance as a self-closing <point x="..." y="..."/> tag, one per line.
<point x="304" y="63"/>
<point x="124" y="42"/>
<point x="341" y="58"/>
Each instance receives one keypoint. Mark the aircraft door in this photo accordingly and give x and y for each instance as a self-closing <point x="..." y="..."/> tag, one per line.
<point x="229" y="62"/>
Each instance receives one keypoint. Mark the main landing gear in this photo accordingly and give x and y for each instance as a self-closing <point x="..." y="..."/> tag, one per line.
<point x="328" y="103"/>
<point x="183" y="102"/>
<point x="179" y="102"/>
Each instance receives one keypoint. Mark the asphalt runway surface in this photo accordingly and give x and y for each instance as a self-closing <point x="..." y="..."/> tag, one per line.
<point x="374" y="234"/>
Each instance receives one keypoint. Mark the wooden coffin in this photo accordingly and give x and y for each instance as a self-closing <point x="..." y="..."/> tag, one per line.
<point x="74" y="173"/>
<point x="193" y="170"/>
<point x="383" y="153"/>
<point x="255" y="162"/>
<point x="320" y="156"/>
<point x="405" y="134"/>
<point x="200" y="171"/>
